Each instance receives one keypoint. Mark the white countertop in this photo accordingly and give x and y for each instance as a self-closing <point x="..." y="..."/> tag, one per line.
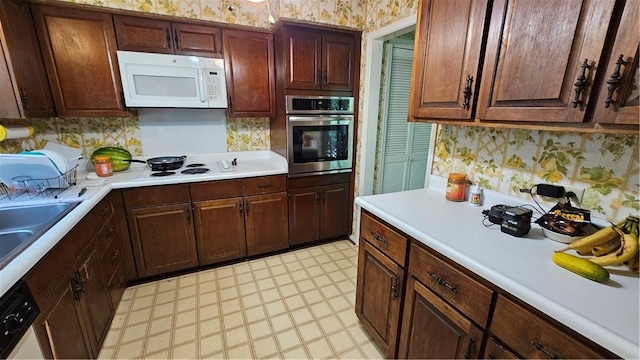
<point x="250" y="164"/>
<point x="606" y="313"/>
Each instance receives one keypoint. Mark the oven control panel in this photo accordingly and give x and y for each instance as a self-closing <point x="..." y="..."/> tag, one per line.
<point x="18" y="310"/>
<point x="298" y="104"/>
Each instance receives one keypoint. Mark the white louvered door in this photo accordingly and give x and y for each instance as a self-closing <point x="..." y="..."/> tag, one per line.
<point x="404" y="146"/>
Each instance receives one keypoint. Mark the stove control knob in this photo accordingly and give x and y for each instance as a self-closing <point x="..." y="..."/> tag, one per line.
<point x="12" y="323"/>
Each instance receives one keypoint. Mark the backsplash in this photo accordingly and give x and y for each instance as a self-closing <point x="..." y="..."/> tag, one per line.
<point x="90" y="133"/>
<point x="506" y="160"/>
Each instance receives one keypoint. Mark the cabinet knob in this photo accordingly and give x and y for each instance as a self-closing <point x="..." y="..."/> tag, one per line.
<point x="379" y="238"/>
<point x="467" y="351"/>
<point x="443" y="282"/>
<point x="25" y="98"/>
<point x="614" y="81"/>
<point x="176" y="39"/>
<point x="168" y="38"/>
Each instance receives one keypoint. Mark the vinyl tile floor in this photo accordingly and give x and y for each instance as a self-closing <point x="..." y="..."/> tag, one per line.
<point x="295" y="305"/>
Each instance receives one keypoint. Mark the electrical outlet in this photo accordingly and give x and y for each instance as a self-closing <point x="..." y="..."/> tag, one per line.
<point x="576" y="190"/>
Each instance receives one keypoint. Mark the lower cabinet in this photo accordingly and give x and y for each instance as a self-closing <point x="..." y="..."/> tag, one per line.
<point x="447" y="311"/>
<point x="61" y="329"/>
<point x="379" y="290"/>
<point x="266" y="223"/>
<point x="433" y="329"/>
<point x="176" y="227"/>
<point x="163" y="238"/>
<point x="531" y="336"/>
<point x="318" y="212"/>
<point x="220" y="231"/>
<point x="71" y="288"/>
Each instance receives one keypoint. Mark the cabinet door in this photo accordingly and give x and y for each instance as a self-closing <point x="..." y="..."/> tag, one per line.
<point x="24" y="57"/>
<point x="304" y="215"/>
<point x="198" y="40"/>
<point x="446" y="58"/>
<point x="619" y="100"/>
<point x="140" y="34"/>
<point x="433" y="329"/>
<point x="266" y="223"/>
<point x="9" y="107"/>
<point x="338" y="62"/>
<point x="219" y="230"/>
<point x="303" y="59"/>
<point x="60" y="329"/>
<point x="379" y="297"/>
<point x="533" y="68"/>
<point x="79" y="50"/>
<point x="334" y="216"/>
<point x="96" y="300"/>
<point x="250" y="73"/>
<point x="162" y="238"/>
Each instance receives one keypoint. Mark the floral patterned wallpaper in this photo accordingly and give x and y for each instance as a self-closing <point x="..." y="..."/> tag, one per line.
<point x="500" y="159"/>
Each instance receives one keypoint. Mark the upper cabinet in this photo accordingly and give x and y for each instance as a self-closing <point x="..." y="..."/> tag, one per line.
<point x="79" y="51"/>
<point x="250" y="72"/>
<point x="167" y="37"/>
<point x="446" y="58"/>
<point x="25" y="92"/>
<point x="619" y="99"/>
<point x="545" y="64"/>
<point x="542" y="58"/>
<point x="317" y="59"/>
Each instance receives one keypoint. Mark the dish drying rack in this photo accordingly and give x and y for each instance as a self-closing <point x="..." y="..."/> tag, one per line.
<point x="39" y="188"/>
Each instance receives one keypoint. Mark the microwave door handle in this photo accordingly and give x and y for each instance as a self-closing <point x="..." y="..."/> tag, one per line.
<point x="203" y="86"/>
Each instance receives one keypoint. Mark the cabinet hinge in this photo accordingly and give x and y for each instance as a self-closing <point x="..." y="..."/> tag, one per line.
<point x="394" y="287"/>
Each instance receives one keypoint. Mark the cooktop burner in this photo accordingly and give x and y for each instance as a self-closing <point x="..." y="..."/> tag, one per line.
<point x="195" y="170"/>
<point x="163" y="173"/>
<point x="197" y="165"/>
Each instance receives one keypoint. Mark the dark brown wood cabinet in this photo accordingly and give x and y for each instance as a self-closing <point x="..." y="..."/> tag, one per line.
<point x="447" y="312"/>
<point x="532" y="336"/>
<point x="69" y="285"/>
<point x="161" y="228"/>
<point x="318" y="213"/>
<point x="266" y="223"/>
<point x="220" y="233"/>
<point x="26" y="92"/>
<point x="167" y="37"/>
<point x="61" y="330"/>
<point x="380" y="289"/>
<point x="446" y="58"/>
<point x="544" y="72"/>
<point x="250" y="73"/>
<point x="433" y="329"/>
<point x="79" y="51"/>
<point x="315" y="58"/>
<point x="619" y="98"/>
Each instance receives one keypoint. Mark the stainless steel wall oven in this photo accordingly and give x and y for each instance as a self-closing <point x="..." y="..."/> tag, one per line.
<point x="319" y="134"/>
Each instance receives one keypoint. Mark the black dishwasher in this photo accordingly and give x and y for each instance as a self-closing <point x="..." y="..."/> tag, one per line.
<point x="18" y="310"/>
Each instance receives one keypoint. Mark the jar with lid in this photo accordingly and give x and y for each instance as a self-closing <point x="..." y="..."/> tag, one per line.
<point x="103" y="166"/>
<point x="456" y="186"/>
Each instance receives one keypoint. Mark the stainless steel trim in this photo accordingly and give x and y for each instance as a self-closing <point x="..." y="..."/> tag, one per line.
<point x="327" y="172"/>
<point x="320" y="166"/>
<point x="290" y="110"/>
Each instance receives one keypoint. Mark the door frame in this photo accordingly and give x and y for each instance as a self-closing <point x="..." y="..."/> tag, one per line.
<point x="371" y="99"/>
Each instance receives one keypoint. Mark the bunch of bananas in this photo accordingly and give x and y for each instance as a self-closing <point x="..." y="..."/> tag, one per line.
<point x="612" y="245"/>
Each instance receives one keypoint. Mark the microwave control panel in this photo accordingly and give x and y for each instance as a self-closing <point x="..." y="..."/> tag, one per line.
<point x="213" y="84"/>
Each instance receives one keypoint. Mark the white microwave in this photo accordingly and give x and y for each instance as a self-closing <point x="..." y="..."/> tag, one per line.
<point x="172" y="81"/>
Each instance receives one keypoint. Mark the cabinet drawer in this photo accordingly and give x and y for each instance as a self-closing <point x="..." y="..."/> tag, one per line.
<point x="468" y="295"/>
<point x="110" y="260"/>
<point x="383" y="237"/>
<point x="156" y="195"/>
<point x="213" y="190"/>
<point x="531" y="336"/>
<point x="107" y="235"/>
<point x="100" y="213"/>
<point x="264" y="185"/>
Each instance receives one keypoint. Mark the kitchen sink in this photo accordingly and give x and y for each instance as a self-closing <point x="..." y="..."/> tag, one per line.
<point x="21" y="226"/>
